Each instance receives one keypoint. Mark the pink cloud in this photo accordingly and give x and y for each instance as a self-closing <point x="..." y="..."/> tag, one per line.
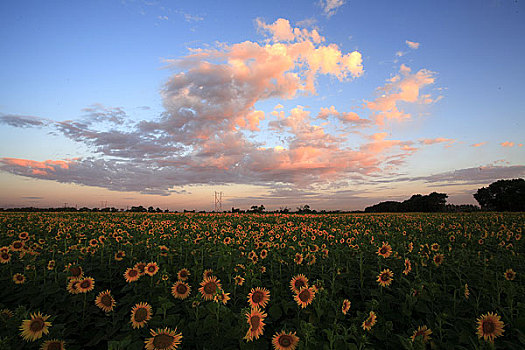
<point x="479" y="144"/>
<point x="403" y="87"/>
<point x="507" y="144"/>
<point x="436" y="140"/>
<point x="412" y="44"/>
<point x="346" y="117"/>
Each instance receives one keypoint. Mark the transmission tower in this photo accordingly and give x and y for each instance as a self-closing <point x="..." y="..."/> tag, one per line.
<point x="218" y="202"/>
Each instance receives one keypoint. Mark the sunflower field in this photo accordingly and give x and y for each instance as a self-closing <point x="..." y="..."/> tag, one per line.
<point x="262" y="281"/>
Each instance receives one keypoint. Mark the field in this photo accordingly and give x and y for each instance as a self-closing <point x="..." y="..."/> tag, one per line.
<point x="262" y="281"/>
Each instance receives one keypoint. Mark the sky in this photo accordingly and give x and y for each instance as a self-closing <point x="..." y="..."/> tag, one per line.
<point x="337" y="104"/>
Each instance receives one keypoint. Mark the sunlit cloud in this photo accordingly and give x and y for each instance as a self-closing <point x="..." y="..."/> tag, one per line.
<point x="412" y="44"/>
<point x="404" y="87"/>
<point x="507" y="144"/>
<point x="479" y="144"/>
<point x="212" y="130"/>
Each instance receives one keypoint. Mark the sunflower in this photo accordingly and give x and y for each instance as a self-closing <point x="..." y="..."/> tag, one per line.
<point x="239" y="280"/>
<point x="510" y="275"/>
<point x="259" y="297"/>
<point x="370" y="321"/>
<point x="119" y="256"/>
<point x="305" y="296"/>
<point x="385" y="277"/>
<point x="19" y="278"/>
<point x="17" y="246"/>
<point x="385" y="250"/>
<point x="140" y="266"/>
<point x="434" y="247"/>
<point x="222" y="297"/>
<point x="105" y="301"/>
<point x="408" y="267"/>
<point x="151" y="269"/>
<point x="298" y="258"/>
<point x="183" y="274"/>
<point x="209" y="287"/>
<point x="86" y="284"/>
<point x="53" y="345"/>
<point x="72" y="286"/>
<point x="23" y="236"/>
<point x="140" y="315"/>
<point x="207" y="274"/>
<point x="180" y="290"/>
<point x="51" y="265"/>
<point x="34" y="328"/>
<point x="285" y="341"/>
<point x="255" y="319"/>
<point x="76" y="271"/>
<point x="438" y="259"/>
<point x="131" y="274"/>
<point x="467" y="291"/>
<point x="5" y="257"/>
<point x="298" y="282"/>
<point x="422" y="331"/>
<point x="490" y="326"/>
<point x="6" y="313"/>
<point x="163" y="339"/>
<point x="346" y="306"/>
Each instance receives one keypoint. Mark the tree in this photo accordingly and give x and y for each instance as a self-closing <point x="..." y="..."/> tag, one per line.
<point x="502" y="195"/>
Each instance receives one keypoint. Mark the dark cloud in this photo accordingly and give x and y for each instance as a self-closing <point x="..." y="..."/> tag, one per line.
<point x="21" y="121"/>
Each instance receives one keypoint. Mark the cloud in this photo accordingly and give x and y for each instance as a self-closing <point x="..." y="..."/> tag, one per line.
<point x="192" y="18"/>
<point x="412" y="44"/>
<point x="21" y="121"/>
<point x="345" y="117"/>
<point x="211" y="131"/>
<point x="330" y="7"/>
<point x="436" y="140"/>
<point x="507" y="144"/>
<point x="479" y="144"/>
<point x="475" y="175"/>
<point x="404" y="87"/>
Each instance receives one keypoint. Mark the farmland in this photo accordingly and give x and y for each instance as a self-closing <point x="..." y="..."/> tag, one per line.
<point x="261" y="281"/>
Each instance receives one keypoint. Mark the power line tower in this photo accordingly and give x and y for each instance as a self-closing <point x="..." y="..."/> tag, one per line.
<point x="218" y="202"/>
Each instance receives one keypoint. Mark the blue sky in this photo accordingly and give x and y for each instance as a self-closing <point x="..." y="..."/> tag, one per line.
<point x="459" y="63"/>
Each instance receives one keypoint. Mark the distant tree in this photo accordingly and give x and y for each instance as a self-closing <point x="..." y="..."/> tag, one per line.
<point x="434" y="202"/>
<point x="502" y="195"/>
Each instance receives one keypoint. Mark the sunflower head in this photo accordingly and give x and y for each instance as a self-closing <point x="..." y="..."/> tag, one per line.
<point x="259" y="297"/>
<point x="163" y="339"/>
<point x="180" y="290"/>
<point x="510" y="275"/>
<point x="422" y="331"/>
<point x="33" y="328"/>
<point x="346" y="306"/>
<point x="370" y="321"/>
<point x="385" y="277"/>
<point x="285" y="341"/>
<point x="151" y="268"/>
<point x="105" y="301"/>
<point x="298" y="282"/>
<point x="209" y="287"/>
<point x="140" y="314"/>
<point x="183" y="274"/>
<point x="490" y="326"/>
<point x="305" y="296"/>
<point x="255" y="319"/>
<point x="53" y="344"/>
